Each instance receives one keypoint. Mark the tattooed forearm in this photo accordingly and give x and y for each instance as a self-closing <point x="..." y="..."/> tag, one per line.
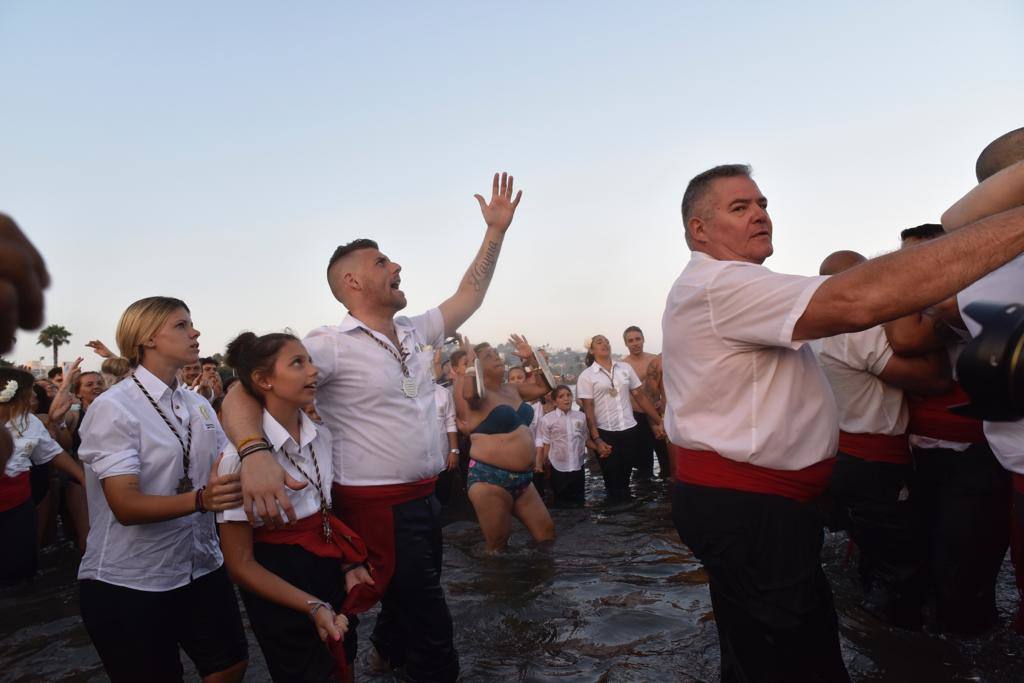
<point x="482" y="270"/>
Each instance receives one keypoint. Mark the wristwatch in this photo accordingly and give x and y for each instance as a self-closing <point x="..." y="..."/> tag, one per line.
<point x="456" y="451"/>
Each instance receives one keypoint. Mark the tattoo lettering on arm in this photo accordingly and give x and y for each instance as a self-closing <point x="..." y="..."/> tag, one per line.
<point x="482" y="271"/>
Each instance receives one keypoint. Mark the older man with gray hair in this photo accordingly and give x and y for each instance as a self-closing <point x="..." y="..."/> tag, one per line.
<point x="754" y="419"/>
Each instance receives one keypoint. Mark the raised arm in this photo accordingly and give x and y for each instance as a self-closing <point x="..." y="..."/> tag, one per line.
<point x="999" y="192"/>
<point x="911" y="279"/>
<point x="498" y="216"/>
<point x="537" y="385"/>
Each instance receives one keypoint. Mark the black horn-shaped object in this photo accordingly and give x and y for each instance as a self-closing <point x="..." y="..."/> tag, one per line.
<point x="991" y="367"/>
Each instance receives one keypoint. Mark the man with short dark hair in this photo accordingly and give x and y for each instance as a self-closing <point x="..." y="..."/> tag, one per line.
<point x="648" y="368"/>
<point x="754" y="417"/>
<point x="376" y="394"/>
<point x="55" y="374"/>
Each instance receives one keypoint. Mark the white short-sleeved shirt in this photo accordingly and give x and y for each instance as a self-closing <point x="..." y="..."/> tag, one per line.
<point x="867" y="405"/>
<point x="380" y="435"/>
<point x="1004" y="285"/>
<point x="735" y="380"/>
<point x="445" y="414"/>
<point x="538" y="413"/>
<point x="313" y="440"/>
<point x="612" y="413"/>
<point x="566" y="435"/>
<point x="123" y="434"/>
<point x="33" y="444"/>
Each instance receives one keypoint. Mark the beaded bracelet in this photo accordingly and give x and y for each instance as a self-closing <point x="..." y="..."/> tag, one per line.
<point x="200" y="507"/>
<point x="260" y="445"/>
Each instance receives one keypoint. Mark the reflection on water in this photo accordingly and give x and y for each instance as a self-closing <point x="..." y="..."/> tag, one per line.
<point x="615" y="598"/>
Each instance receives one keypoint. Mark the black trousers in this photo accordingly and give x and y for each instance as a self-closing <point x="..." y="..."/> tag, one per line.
<point x="644" y="460"/>
<point x="18" y="539"/>
<point x="874" y="502"/>
<point x="137" y="633"/>
<point x="964" y="499"/>
<point x="414" y="628"/>
<point x="773" y="604"/>
<point x="569" y="488"/>
<point x="617" y="467"/>
<point x="289" y="640"/>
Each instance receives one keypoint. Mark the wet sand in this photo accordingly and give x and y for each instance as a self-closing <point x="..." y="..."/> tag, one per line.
<point x="616" y="598"/>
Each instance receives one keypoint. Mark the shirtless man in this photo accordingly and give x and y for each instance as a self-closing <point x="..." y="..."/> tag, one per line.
<point x="648" y="368"/>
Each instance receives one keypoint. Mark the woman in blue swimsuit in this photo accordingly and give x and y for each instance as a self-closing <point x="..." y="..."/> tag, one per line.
<point x="500" y="476"/>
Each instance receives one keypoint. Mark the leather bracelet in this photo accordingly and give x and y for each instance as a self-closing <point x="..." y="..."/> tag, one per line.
<point x="248" y="440"/>
<point x="255" y="448"/>
<point x="200" y="507"/>
<point x="352" y="567"/>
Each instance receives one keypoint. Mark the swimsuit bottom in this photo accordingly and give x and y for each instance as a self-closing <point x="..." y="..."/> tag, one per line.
<point x="513" y="482"/>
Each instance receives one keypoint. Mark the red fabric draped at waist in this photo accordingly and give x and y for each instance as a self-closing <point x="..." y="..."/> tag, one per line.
<point x="876" y="447"/>
<point x="14" y="490"/>
<point x="1018" y="482"/>
<point x="930" y="416"/>
<point x="367" y="510"/>
<point x="308" y="533"/>
<point x="707" y="468"/>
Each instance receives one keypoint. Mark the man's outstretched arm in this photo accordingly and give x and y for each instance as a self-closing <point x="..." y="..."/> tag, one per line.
<point x="470" y="294"/>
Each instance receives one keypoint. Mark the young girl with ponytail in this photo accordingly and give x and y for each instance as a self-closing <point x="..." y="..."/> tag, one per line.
<point x="294" y="580"/>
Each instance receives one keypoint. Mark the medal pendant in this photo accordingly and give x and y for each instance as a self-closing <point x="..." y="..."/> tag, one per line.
<point x="409" y="387"/>
<point x="613" y="391"/>
<point x="185" y="484"/>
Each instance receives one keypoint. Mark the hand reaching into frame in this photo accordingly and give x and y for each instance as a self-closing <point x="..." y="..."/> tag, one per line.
<point x="23" y="277"/>
<point x="499" y="212"/>
<point x="100" y="348"/>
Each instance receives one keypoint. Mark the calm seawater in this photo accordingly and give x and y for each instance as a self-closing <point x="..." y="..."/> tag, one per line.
<point x="616" y="598"/>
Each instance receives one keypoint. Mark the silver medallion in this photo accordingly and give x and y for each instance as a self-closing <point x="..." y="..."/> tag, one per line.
<point x="409" y="387"/>
<point x="613" y="391"/>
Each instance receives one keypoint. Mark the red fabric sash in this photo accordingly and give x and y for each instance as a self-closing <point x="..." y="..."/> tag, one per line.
<point x="14" y="490"/>
<point x="344" y="546"/>
<point x="930" y="416"/>
<point x="876" y="447"/>
<point x="367" y="510"/>
<point x="707" y="468"/>
<point x="1018" y="482"/>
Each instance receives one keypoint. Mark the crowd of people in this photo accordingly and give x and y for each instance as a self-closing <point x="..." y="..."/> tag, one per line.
<point x="781" y="405"/>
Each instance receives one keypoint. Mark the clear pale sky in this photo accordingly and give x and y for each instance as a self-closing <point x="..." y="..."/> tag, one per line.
<point x="218" y="152"/>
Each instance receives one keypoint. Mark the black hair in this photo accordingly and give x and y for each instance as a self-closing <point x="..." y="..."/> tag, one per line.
<point x="632" y="328"/>
<point x="54" y="371"/>
<point x="248" y="353"/>
<point x="927" y="231"/>
<point x="346" y="249"/>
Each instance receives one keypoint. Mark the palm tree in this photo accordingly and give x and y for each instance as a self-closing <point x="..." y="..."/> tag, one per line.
<point x="55" y="336"/>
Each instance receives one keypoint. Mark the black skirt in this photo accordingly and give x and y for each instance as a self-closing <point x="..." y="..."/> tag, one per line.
<point x="288" y="638"/>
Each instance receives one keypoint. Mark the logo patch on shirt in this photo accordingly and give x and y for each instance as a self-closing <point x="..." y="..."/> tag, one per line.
<point x="205" y="414"/>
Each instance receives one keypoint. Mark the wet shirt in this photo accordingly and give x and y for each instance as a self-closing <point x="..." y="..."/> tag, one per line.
<point x="565" y="432"/>
<point x="613" y="411"/>
<point x="1003" y="285"/>
<point x="380" y="435"/>
<point x="313" y="440"/>
<point x="852" y="363"/>
<point x="122" y="434"/>
<point x="33" y="445"/>
<point x="735" y="380"/>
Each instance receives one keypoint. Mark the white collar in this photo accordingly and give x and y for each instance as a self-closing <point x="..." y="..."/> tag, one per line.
<point x="279" y="436"/>
<point x="153" y="385"/>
